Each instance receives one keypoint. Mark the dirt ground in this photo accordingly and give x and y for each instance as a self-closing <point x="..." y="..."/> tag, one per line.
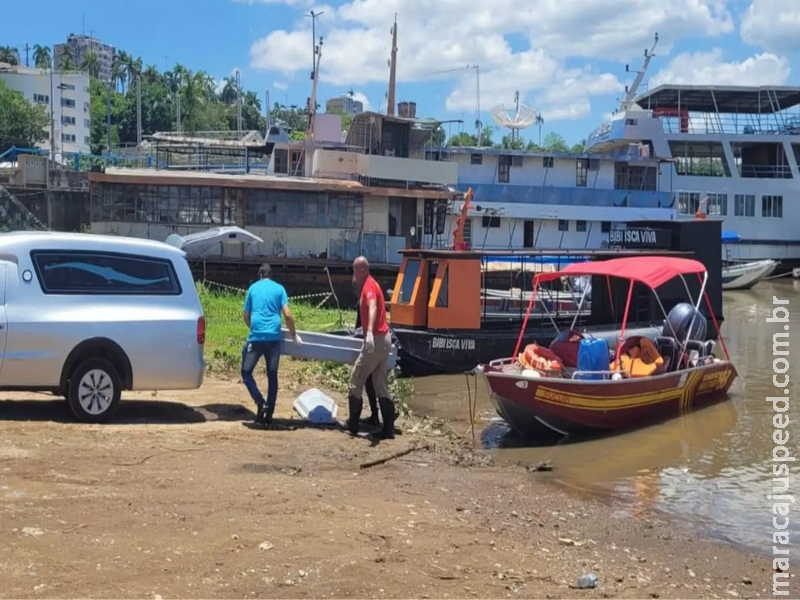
<point x="181" y="498"/>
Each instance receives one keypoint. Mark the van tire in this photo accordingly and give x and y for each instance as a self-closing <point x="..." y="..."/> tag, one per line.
<point x="94" y="391"/>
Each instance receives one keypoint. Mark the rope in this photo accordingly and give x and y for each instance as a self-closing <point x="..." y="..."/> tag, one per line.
<point x="239" y="290"/>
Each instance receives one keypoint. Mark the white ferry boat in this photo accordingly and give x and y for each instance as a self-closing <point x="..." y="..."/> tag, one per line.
<point x="673" y="151"/>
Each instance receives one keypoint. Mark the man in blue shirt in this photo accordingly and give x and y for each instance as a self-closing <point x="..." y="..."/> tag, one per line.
<point x="264" y="305"/>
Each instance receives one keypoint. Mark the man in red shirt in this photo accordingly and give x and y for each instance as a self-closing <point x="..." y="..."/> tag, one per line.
<point x="372" y="358"/>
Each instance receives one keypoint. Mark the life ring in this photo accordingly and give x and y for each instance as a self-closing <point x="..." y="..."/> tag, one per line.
<point x="540" y="358"/>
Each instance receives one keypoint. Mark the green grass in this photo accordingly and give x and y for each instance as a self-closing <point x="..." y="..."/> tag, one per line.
<point x="226" y="333"/>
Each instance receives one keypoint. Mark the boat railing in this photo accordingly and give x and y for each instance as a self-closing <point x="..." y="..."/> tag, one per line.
<point x="731" y="124"/>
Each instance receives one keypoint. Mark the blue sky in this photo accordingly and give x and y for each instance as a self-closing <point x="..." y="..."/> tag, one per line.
<point x="566" y="57"/>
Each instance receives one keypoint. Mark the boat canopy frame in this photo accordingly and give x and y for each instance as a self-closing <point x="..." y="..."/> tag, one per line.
<point x="652" y="272"/>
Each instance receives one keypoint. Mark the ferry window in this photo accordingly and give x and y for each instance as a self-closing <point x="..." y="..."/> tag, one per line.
<point x="516" y="161"/>
<point x="605" y="226"/>
<point x="581" y="171"/>
<point x="563" y="225"/>
<point x="504" y="169"/>
<point x="717" y="205"/>
<point x="409" y="280"/>
<point x="630" y="121"/>
<point x="744" y="205"/>
<point x="441" y="299"/>
<point x="772" y="206"/>
<point x="547" y="162"/>
<point x="580" y="225"/>
<point x="491" y="222"/>
<point x="688" y="202"/>
<point x="476" y="159"/>
<point x="104" y="273"/>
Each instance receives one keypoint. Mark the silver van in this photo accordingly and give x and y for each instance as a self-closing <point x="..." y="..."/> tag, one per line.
<point x="88" y="316"/>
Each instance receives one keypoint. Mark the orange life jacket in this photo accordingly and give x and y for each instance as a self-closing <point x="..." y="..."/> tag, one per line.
<point x="538" y="357"/>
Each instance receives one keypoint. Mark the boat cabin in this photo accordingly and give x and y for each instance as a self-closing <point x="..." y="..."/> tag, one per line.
<point x="470" y="290"/>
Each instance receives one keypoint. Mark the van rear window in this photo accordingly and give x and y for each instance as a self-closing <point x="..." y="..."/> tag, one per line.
<point x="104" y="273"/>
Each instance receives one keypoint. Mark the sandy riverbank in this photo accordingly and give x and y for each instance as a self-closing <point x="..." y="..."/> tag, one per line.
<point x="180" y="498"/>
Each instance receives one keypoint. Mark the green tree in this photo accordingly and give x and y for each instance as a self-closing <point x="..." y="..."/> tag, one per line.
<point x="41" y="57"/>
<point x="66" y="59"/>
<point x="91" y="64"/>
<point x="579" y="148"/>
<point x="8" y="55"/>
<point x="22" y="124"/>
<point x="554" y="142"/>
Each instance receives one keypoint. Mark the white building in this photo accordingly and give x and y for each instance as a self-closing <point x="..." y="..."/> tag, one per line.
<point x="65" y="96"/>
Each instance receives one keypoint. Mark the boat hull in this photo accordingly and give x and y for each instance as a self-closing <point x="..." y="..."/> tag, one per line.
<point x="424" y="352"/>
<point x="580" y="407"/>
<point x="745" y="276"/>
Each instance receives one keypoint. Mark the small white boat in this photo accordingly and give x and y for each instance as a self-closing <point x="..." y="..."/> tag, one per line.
<point x="796" y="273"/>
<point x="743" y="276"/>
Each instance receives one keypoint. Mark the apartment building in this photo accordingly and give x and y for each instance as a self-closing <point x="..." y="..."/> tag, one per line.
<point x="345" y="104"/>
<point x="65" y="96"/>
<point x="80" y="45"/>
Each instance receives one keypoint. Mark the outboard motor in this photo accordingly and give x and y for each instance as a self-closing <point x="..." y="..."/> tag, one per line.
<point x="680" y="319"/>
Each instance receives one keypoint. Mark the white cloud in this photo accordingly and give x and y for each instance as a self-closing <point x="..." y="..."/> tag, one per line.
<point x="360" y="97"/>
<point x="708" y="68"/>
<point x="279" y="85"/>
<point x="447" y="34"/>
<point x="773" y="25"/>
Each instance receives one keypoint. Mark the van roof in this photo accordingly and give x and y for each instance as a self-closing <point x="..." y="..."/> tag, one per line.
<point x="25" y="241"/>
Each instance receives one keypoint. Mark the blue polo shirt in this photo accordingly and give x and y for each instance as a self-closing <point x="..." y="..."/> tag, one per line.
<point x="264" y="302"/>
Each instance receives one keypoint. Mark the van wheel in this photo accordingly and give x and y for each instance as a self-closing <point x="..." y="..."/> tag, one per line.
<point x="94" y="391"/>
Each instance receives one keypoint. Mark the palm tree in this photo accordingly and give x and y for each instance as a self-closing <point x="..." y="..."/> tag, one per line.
<point x="150" y="75"/>
<point x="229" y="91"/>
<point x="41" y="56"/>
<point x="66" y="59"/>
<point x="251" y="99"/>
<point x="8" y="55"/>
<point x="91" y="64"/>
<point x="133" y="67"/>
<point x="118" y="74"/>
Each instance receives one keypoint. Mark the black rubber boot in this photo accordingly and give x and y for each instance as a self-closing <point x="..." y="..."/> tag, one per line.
<point x="388" y="416"/>
<point x="373" y="419"/>
<point x="354" y="406"/>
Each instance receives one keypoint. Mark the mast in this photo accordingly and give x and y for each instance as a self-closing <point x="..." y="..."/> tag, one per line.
<point x="392" y="71"/>
<point x="631" y="91"/>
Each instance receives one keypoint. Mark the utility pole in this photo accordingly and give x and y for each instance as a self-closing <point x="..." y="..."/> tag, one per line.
<point x="267" y="112"/>
<point x="238" y="102"/>
<point x="138" y="117"/>
<point x="27" y="50"/>
<point x="392" y="71"/>
<point x="178" y="106"/>
<point x="52" y="120"/>
<point x="515" y="132"/>
<point x="108" y="116"/>
<point x="316" y="54"/>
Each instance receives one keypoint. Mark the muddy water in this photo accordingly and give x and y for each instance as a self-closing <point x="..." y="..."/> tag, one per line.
<point x="712" y="467"/>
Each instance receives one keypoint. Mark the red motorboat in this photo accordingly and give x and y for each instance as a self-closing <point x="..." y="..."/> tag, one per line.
<point x="578" y="385"/>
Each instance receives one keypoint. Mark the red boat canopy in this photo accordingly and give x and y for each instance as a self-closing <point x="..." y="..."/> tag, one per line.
<point x="653" y="271"/>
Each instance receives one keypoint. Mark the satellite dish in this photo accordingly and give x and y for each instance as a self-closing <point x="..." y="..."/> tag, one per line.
<point x="519" y="117"/>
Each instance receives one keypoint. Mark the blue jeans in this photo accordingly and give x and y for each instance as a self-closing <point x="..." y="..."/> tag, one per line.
<point x="251" y="354"/>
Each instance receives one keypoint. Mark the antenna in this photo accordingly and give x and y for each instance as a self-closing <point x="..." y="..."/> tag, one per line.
<point x="630" y="92"/>
<point x="392" y="71"/>
<point x="521" y="117"/>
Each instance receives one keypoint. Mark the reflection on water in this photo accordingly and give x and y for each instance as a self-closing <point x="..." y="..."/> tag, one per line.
<point x="713" y="467"/>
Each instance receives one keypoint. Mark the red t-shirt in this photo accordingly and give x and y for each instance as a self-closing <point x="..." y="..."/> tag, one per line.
<point x="372" y="291"/>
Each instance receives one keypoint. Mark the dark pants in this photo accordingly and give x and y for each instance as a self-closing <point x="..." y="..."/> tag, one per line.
<point x="368" y="385"/>
<point x="251" y="354"/>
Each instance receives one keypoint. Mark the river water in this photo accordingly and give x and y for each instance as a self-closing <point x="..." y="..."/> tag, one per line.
<point x="712" y="467"/>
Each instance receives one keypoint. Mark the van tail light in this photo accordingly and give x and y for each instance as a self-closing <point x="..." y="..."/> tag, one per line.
<point x="201" y="330"/>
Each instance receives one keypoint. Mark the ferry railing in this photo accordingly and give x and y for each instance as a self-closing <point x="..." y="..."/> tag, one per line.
<point x="765" y="171"/>
<point x="704" y="124"/>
